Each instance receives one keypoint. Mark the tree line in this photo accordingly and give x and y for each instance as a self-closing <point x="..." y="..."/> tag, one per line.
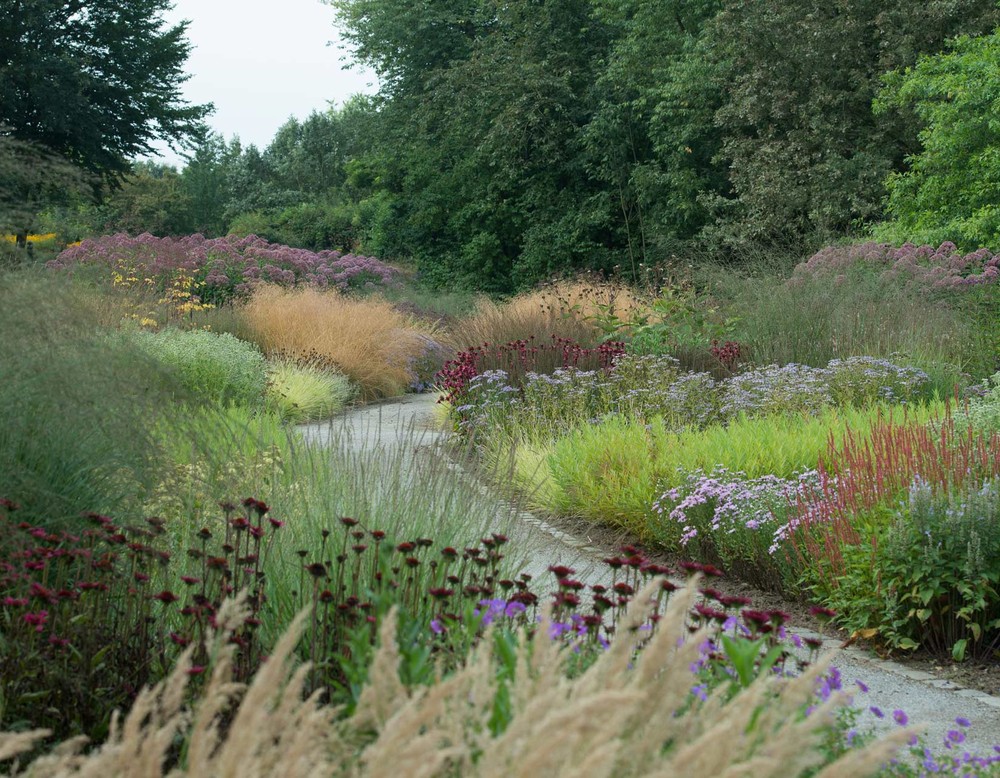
<point x="513" y="140"/>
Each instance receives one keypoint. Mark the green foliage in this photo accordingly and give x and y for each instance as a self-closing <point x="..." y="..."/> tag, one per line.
<point x="814" y="320"/>
<point x="613" y="472"/>
<point x="218" y="367"/>
<point x="71" y="69"/>
<point x="982" y="413"/>
<point x="951" y="187"/>
<point x="307" y="392"/>
<point x="806" y="155"/>
<point x="78" y="411"/>
<point x="940" y="566"/>
<point x="151" y="198"/>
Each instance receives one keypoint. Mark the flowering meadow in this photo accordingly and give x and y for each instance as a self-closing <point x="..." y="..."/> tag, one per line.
<point x="797" y="477"/>
<point x="164" y="526"/>
<point x="223" y="268"/>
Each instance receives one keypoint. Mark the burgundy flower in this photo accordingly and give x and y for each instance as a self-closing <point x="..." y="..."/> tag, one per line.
<point x="166" y="597"/>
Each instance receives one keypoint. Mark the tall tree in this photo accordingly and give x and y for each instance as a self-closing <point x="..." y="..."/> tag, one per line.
<point x="94" y="81"/>
<point x="806" y="156"/>
<point x="951" y="189"/>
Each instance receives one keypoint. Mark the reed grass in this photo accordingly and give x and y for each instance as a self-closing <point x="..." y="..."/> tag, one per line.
<point x="567" y="309"/>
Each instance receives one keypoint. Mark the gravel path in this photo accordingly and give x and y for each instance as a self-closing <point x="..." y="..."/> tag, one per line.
<point x="926" y="699"/>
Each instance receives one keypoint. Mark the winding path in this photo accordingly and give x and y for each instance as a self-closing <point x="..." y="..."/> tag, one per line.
<point x="927" y="700"/>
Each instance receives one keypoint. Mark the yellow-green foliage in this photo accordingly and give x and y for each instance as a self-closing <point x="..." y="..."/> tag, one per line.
<point x="612" y="472"/>
<point x="618" y="718"/>
<point x="306" y="392"/>
<point x="367" y="339"/>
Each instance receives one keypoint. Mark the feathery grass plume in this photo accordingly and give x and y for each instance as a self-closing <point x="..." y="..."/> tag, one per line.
<point x="567" y="309"/>
<point x="617" y="719"/>
<point x="368" y="339"/>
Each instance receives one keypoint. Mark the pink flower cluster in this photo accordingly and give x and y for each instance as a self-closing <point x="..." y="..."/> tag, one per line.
<point x="924" y="267"/>
<point x="229" y="266"/>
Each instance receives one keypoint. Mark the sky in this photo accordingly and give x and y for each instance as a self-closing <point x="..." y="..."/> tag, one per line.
<point x="262" y="61"/>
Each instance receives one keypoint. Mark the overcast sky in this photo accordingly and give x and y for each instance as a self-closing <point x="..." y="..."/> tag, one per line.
<point x="262" y="61"/>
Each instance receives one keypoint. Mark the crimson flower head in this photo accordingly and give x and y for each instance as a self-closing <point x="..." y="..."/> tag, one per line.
<point x="166" y="597"/>
<point x="240" y="523"/>
<point x="347" y="521"/>
<point x="259" y="507"/>
<point x="561" y="571"/>
<point x="406" y="547"/>
<point x="316" y="569"/>
<point x="276" y="523"/>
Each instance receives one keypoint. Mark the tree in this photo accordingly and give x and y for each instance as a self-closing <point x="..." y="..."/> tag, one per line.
<point x="952" y="188"/>
<point x="150" y="199"/>
<point x="807" y="158"/>
<point x="94" y="81"/>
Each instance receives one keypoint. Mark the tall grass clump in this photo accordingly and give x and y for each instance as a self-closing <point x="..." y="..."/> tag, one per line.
<point x="617" y="718"/>
<point x="302" y="392"/>
<point x="78" y="412"/>
<point x="811" y="319"/>
<point x="216" y="366"/>
<point x="367" y="340"/>
<point x="568" y="309"/>
<point x="311" y="482"/>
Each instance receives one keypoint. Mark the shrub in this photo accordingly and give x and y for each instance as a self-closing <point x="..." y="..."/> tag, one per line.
<point x="737" y="522"/>
<point x="306" y="392"/>
<point x="219" y="367"/>
<point x="367" y="340"/>
<point x="940" y="568"/>
<point x="981" y="413"/>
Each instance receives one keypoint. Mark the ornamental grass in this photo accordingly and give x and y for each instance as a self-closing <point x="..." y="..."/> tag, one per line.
<point x="617" y="718"/>
<point x="368" y="340"/>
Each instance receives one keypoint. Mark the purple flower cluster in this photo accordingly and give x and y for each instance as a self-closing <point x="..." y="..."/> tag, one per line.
<point x="921" y="267"/>
<point x="855" y="381"/>
<point x="726" y="506"/>
<point x="229" y="266"/>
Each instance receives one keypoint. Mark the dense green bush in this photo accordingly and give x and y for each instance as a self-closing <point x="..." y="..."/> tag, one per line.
<point x="218" y="367"/>
<point x="941" y="568"/>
